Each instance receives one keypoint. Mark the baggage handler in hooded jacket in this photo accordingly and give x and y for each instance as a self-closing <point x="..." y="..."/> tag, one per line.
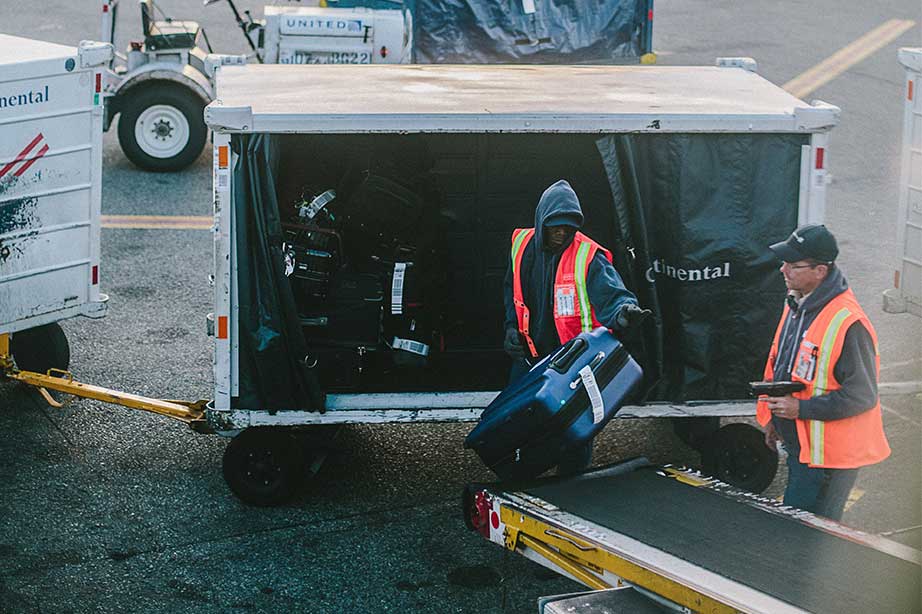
<point x="825" y="341"/>
<point x="560" y="283"/>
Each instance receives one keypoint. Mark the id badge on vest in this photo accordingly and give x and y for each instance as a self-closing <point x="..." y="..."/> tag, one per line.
<point x="565" y="300"/>
<point x="805" y="366"/>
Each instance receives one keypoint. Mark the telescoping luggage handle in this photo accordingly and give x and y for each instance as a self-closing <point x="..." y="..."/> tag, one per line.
<point x="567" y="354"/>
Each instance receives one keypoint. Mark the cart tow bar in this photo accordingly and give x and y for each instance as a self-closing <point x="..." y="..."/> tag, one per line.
<point x="189" y="412"/>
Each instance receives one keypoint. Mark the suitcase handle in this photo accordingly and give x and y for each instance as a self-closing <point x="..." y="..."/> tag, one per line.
<point x="568" y="355"/>
<point x="595" y="362"/>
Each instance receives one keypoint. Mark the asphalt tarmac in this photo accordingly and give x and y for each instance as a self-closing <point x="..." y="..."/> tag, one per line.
<point x="107" y="510"/>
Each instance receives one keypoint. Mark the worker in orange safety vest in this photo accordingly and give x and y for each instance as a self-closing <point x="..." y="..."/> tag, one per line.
<point x="825" y="341"/>
<point x="560" y="283"/>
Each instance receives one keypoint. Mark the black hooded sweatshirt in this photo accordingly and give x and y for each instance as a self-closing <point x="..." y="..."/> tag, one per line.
<point x="607" y="293"/>
<point x="856" y="369"/>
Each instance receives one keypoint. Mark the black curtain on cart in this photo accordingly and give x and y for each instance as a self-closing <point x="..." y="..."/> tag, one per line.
<point x="696" y="213"/>
<point x="272" y="369"/>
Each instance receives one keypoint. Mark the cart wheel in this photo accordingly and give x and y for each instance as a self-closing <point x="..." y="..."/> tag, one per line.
<point x="161" y="127"/>
<point x="696" y="432"/>
<point x="262" y="466"/>
<point x="737" y="454"/>
<point x="41" y="348"/>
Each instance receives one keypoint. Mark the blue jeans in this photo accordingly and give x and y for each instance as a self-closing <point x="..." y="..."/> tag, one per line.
<point x="813" y="489"/>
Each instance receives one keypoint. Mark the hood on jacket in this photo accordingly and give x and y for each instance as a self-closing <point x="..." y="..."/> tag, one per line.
<point x="559" y="200"/>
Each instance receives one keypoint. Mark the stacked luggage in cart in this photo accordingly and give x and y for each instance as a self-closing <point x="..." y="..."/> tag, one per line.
<point x="362" y="259"/>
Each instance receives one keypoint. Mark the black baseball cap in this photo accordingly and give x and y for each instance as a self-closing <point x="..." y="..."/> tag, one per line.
<point x="809" y="242"/>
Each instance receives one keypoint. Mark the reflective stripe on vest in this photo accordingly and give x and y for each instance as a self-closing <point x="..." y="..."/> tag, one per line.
<point x="845" y="443"/>
<point x="579" y="277"/>
<point x="824" y="376"/>
<point x="577" y="255"/>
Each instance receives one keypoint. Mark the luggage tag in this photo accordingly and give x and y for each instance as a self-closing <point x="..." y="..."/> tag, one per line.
<point x="805" y="367"/>
<point x="595" y="396"/>
<point x="565" y="300"/>
<point x="400" y="270"/>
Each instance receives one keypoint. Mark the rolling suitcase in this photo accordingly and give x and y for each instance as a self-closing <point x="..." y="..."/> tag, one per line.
<point x="562" y="402"/>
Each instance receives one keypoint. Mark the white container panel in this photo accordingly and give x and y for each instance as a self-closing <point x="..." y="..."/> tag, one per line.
<point x="25" y="299"/>
<point x="44" y="96"/>
<point x="50" y="181"/>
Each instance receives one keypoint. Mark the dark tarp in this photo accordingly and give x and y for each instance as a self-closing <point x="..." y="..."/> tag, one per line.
<point x="272" y="374"/>
<point x="698" y="212"/>
<point x="557" y="32"/>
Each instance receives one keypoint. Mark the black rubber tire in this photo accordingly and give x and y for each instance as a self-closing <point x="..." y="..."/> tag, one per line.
<point x="737" y="454"/>
<point x="696" y="432"/>
<point x="263" y="466"/>
<point x="162" y="93"/>
<point x="41" y="348"/>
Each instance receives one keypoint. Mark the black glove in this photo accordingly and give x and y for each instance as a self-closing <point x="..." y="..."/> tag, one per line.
<point x="632" y="315"/>
<point x="512" y="345"/>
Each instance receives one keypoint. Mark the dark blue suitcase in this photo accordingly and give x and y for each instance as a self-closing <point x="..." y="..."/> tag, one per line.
<point x="562" y="402"/>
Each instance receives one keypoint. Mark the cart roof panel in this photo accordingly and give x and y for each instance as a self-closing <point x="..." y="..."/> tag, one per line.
<point x="15" y="49"/>
<point x="449" y="98"/>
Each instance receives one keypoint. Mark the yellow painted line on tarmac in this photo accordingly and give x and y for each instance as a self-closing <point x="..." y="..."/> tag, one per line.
<point x="853" y="497"/>
<point x="846" y="57"/>
<point x="168" y="222"/>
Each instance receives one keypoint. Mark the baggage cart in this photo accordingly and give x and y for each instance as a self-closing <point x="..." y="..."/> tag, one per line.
<point x="906" y="294"/>
<point x="480" y="128"/>
<point x="51" y="118"/>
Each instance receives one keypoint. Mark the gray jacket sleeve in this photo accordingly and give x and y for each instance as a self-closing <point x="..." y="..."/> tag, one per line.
<point x="856" y="371"/>
<point x="607" y="293"/>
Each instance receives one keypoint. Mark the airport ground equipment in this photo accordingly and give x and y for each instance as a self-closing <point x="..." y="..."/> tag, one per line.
<point x="662" y="539"/>
<point x="481" y="127"/>
<point x="161" y="83"/>
<point x="486" y="146"/>
<point x="906" y="294"/>
<point x="51" y="118"/>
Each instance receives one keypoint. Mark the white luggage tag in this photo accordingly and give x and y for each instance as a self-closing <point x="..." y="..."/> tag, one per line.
<point x="316" y="205"/>
<point x="408" y="345"/>
<point x="400" y="269"/>
<point x="595" y="395"/>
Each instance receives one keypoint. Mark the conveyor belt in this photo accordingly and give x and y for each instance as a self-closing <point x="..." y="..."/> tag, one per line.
<point x="779" y="556"/>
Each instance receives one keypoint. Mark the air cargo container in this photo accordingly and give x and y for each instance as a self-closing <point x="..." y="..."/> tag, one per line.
<point x="324" y="203"/>
<point x="51" y="114"/>
<point x="906" y="294"/>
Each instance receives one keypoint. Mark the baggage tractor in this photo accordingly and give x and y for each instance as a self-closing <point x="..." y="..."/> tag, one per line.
<point x="562" y="402"/>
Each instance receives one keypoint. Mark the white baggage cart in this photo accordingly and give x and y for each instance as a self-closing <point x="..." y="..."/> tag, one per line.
<point x="51" y="114"/>
<point x="906" y="295"/>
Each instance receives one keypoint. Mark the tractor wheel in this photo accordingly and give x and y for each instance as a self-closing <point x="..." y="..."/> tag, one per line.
<point x="161" y="127"/>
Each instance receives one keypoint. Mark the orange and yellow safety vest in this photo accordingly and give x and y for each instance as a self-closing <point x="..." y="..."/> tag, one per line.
<point x="846" y="443"/>
<point x="573" y="313"/>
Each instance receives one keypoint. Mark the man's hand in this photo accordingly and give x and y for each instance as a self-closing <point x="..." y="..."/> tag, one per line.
<point x="632" y="315"/>
<point x="784" y="407"/>
<point x="512" y="345"/>
<point x="771" y="436"/>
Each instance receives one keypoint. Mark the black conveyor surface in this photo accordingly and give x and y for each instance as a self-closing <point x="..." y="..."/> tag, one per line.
<point x="779" y="556"/>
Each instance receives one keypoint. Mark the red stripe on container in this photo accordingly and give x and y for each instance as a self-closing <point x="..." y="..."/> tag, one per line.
<point x="22" y="155"/>
<point x="820" y="154"/>
<point x="222" y="327"/>
<point x="95" y="274"/>
<point x="25" y="167"/>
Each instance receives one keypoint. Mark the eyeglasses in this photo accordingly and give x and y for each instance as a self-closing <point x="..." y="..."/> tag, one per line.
<point x="805" y="266"/>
